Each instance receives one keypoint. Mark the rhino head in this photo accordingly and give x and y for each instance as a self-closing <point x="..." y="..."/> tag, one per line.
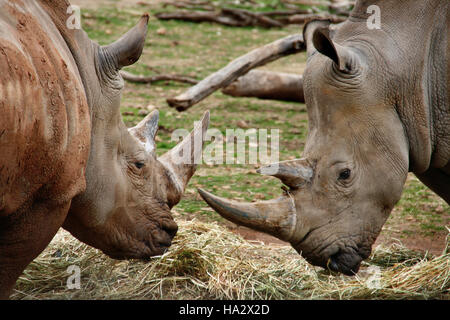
<point x="125" y="209"/>
<point x="354" y="166"/>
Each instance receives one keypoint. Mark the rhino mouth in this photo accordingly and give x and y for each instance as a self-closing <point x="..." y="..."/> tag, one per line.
<point x="142" y="240"/>
<point x="339" y="256"/>
<point x="347" y="263"/>
<point x="160" y="241"/>
<point x="163" y="240"/>
<point x="343" y="261"/>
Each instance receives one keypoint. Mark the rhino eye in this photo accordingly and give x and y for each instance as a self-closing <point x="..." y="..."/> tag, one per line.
<point x="345" y="174"/>
<point x="139" y="165"/>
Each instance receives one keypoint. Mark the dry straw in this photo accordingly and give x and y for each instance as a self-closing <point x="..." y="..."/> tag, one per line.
<point x="206" y="261"/>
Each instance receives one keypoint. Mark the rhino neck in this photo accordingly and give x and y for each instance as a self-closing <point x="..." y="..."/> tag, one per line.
<point x="412" y="43"/>
<point x="79" y="44"/>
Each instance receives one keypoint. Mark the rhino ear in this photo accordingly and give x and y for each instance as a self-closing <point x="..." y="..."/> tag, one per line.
<point x="318" y="36"/>
<point x="128" y="49"/>
<point x="308" y="31"/>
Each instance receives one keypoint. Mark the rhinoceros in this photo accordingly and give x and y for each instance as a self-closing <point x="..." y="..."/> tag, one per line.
<point x="378" y="107"/>
<point x="66" y="157"/>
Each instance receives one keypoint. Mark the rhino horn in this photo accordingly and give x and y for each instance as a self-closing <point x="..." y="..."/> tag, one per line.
<point x="128" y="49"/>
<point x="292" y="173"/>
<point x="276" y="217"/>
<point x="182" y="160"/>
<point x="146" y="130"/>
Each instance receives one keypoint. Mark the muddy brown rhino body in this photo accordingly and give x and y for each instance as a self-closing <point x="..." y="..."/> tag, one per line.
<point x="378" y="107"/>
<point x="66" y="157"/>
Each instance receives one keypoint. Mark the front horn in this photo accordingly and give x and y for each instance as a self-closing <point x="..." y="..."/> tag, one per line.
<point x="275" y="217"/>
<point x="181" y="161"/>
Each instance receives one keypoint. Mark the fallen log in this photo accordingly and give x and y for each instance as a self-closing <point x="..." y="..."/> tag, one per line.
<point x="203" y="5"/>
<point x="200" y="16"/>
<point x="307" y="2"/>
<point x="236" y="68"/>
<point x="252" y="18"/>
<point x="160" y="77"/>
<point x="226" y="16"/>
<point x="285" y="12"/>
<point x="336" y="4"/>
<point x="341" y="6"/>
<point x="301" y="18"/>
<point x="244" y="18"/>
<point x="268" y="85"/>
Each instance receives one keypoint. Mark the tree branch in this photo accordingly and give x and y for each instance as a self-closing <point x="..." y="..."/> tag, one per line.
<point x="160" y="77"/>
<point x="236" y="68"/>
<point x="268" y="85"/>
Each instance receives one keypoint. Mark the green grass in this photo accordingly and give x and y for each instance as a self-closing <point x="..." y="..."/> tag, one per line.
<point x="419" y="205"/>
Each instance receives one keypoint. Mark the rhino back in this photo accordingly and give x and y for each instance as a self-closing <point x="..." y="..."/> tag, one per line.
<point x="413" y="66"/>
<point x="44" y="123"/>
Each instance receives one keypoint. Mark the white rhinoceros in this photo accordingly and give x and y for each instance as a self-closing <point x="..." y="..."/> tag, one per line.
<point x="378" y="107"/>
<point x="66" y="157"/>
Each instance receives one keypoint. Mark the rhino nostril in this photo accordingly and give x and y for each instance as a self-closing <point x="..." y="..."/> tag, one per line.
<point x="172" y="232"/>
<point x="165" y="242"/>
<point x="332" y="264"/>
<point x="171" y="229"/>
<point x="345" y="263"/>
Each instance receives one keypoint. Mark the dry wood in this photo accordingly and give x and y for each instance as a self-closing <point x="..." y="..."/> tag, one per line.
<point x="226" y="16"/>
<point x="342" y="7"/>
<point x="160" y="77"/>
<point x="285" y="12"/>
<point x="268" y="85"/>
<point x="201" y="16"/>
<point x="341" y="3"/>
<point x="252" y="18"/>
<point x="236" y="68"/>
<point x="244" y="18"/>
<point x="301" y="18"/>
<point x="307" y="2"/>
<point x="204" y="5"/>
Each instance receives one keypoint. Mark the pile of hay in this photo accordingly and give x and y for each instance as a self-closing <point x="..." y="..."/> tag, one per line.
<point x="206" y="261"/>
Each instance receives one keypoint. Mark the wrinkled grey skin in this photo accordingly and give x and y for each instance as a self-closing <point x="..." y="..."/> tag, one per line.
<point x="378" y="107"/>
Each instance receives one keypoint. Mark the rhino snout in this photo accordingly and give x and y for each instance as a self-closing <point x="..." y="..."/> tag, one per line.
<point x="167" y="233"/>
<point x="347" y="263"/>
